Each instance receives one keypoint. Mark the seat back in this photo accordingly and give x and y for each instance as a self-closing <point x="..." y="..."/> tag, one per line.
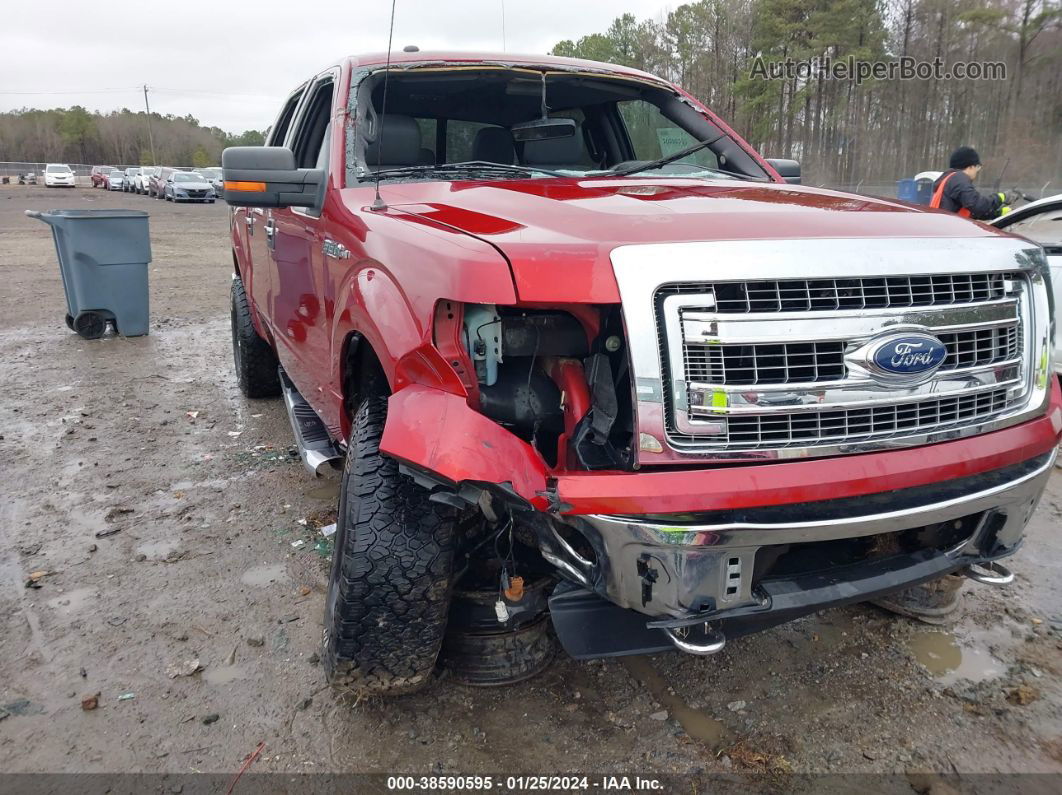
<point x="494" y="145"/>
<point x="556" y="153"/>
<point x="397" y="143"/>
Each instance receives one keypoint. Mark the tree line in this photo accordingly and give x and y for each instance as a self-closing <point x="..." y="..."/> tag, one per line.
<point x="76" y="135"/>
<point x="880" y="129"/>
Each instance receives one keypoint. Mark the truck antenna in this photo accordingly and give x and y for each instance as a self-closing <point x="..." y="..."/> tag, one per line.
<point x="378" y="203"/>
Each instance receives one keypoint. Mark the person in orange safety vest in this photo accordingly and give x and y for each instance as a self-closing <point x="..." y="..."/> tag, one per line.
<point x="954" y="190"/>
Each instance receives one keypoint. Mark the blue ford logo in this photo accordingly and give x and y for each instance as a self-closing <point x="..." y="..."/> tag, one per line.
<point x="909" y="355"/>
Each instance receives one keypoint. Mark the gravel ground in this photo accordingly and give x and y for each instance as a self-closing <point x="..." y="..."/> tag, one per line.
<point x="163" y="507"/>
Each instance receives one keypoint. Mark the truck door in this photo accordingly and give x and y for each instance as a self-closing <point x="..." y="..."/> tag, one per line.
<point x="252" y="223"/>
<point x="302" y="298"/>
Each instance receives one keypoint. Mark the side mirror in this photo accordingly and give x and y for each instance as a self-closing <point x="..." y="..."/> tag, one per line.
<point x="789" y="170"/>
<point x="266" y="176"/>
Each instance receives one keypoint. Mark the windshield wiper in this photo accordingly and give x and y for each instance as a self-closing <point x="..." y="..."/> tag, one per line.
<point x="689" y="150"/>
<point x="468" y="166"/>
<point x="475" y="165"/>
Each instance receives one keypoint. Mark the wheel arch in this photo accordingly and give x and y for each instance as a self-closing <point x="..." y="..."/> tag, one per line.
<point x="361" y="374"/>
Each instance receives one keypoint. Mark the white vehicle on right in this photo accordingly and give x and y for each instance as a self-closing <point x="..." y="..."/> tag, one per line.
<point x="1041" y="222"/>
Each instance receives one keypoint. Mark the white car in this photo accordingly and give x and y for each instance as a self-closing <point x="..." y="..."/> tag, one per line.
<point x="1041" y="222"/>
<point x="140" y="181"/>
<point x="59" y="175"/>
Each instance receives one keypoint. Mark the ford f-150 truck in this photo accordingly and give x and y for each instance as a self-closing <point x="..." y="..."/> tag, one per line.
<point x="558" y="306"/>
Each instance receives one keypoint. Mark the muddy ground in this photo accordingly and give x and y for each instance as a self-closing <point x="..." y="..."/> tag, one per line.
<point x="149" y="438"/>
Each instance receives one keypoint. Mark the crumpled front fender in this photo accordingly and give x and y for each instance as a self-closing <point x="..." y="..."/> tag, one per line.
<point x="439" y="433"/>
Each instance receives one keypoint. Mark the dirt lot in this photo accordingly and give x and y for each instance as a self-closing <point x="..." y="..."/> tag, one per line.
<point x="149" y="438"/>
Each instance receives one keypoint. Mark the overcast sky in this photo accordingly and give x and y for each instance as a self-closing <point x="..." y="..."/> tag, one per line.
<point x="231" y="64"/>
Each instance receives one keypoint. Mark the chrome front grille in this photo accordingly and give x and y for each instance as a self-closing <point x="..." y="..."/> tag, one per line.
<point x="767" y="363"/>
<point x="817" y="295"/>
<point x="823" y="361"/>
<point x="775" y="365"/>
<point x="858" y="425"/>
<point x="981" y="347"/>
<point x="766" y="349"/>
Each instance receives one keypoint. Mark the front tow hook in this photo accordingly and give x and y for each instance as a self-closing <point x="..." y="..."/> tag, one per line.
<point x="713" y="641"/>
<point x="990" y="573"/>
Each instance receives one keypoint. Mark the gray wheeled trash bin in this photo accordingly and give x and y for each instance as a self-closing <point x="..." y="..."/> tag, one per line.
<point x="103" y="259"/>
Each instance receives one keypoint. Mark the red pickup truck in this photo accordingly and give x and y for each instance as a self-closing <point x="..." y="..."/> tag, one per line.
<point x="552" y="308"/>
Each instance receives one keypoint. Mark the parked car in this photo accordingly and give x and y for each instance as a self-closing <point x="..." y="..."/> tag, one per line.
<point x="140" y="182"/>
<point x="129" y="184"/>
<point x="213" y="176"/>
<point x="115" y="180"/>
<point x="59" y="175"/>
<point x="98" y="175"/>
<point x="1041" y="222"/>
<point x="617" y="349"/>
<point x="157" y="181"/>
<point x="187" y="186"/>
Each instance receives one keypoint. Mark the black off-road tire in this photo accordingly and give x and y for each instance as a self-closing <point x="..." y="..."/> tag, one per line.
<point x="256" y="362"/>
<point x="392" y="571"/>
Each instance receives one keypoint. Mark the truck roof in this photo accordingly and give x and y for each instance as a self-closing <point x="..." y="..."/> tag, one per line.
<point x="493" y="58"/>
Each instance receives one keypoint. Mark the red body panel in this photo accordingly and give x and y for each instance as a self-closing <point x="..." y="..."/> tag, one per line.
<point x="437" y="431"/>
<point x="557" y="234"/>
<point x="548" y="242"/>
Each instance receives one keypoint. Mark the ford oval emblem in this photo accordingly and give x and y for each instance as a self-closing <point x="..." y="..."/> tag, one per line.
<point x="913" y="356"/>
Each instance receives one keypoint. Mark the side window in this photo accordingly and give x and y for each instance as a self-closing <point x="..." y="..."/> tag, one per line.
<point x="311" y="134"/>
<point x="280" y="127"/>
<point x="653" y="135"/>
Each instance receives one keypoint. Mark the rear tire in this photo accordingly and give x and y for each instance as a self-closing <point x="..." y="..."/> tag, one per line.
<point x="256" y="362"/>
<point x="392" y="571"/>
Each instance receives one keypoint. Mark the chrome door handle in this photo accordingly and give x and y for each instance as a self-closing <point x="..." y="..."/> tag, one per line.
<point x="271" y="231"/>
<point x="249" y="220"/>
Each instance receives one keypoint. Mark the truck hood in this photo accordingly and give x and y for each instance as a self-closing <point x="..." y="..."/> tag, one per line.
<point x="558" y="234"/>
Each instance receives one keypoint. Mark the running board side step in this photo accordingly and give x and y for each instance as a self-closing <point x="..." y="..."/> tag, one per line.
<point x="311" y="436"/>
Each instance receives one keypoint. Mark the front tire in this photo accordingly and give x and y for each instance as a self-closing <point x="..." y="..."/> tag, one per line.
<point x="256" y="362"/>
<point x="392" y="571"/>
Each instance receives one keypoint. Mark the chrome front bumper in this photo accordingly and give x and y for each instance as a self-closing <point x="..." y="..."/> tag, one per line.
<point x="699" y="568"/>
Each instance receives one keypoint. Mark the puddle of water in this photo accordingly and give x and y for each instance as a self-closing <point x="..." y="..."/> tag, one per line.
<point x="224" y="675"/>
<point x="944" y="657"/>
<point x="327" y="491"/>
<point x="262" y="576"/>
<point x="695" y="723"/>
<point x="72" y="600"/>
<point x="158" y="550"/>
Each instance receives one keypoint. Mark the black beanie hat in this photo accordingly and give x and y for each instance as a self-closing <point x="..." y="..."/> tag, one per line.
<point x="964" y="157"/>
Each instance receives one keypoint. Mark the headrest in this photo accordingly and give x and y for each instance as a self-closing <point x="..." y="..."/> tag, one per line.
<point x="493" y="144"/>
<point x="555" y="151"/>
<point x="397" y="142"/>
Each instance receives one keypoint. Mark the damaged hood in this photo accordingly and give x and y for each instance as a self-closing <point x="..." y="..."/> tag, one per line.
<point x="558" y="234"/>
